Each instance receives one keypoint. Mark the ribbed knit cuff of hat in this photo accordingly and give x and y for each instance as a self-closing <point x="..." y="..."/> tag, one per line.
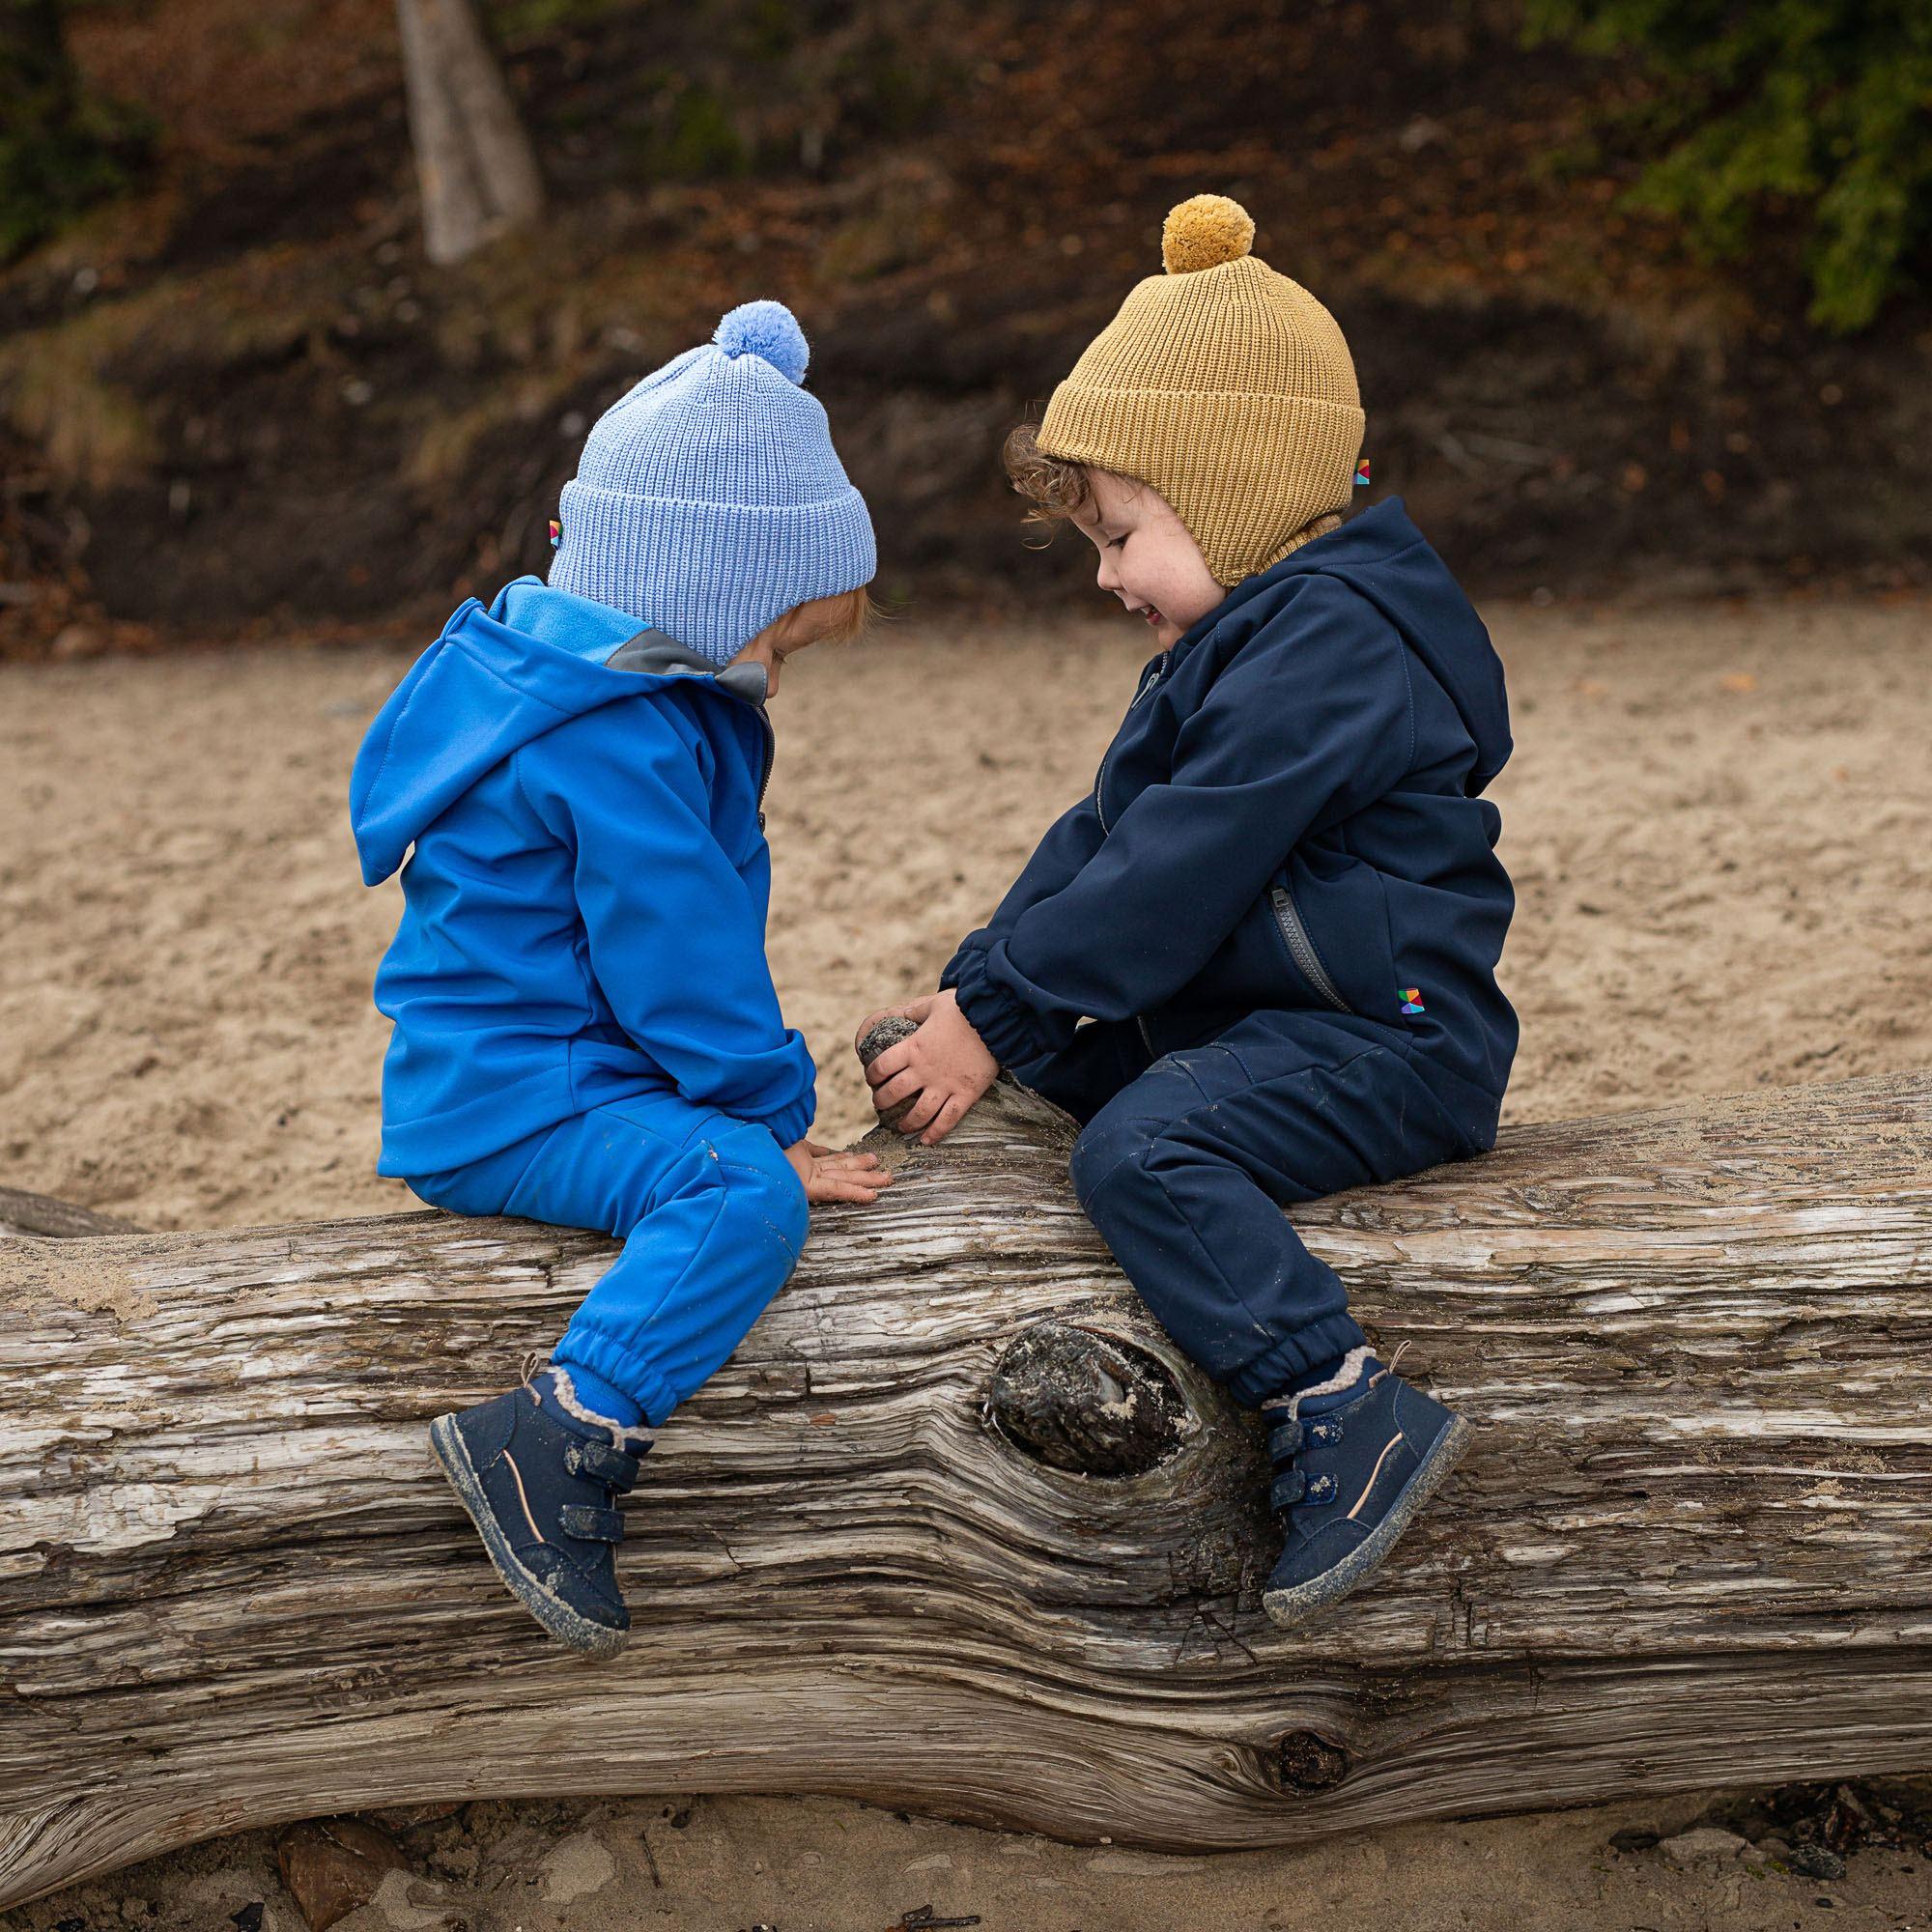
<point x="711" y="575"/>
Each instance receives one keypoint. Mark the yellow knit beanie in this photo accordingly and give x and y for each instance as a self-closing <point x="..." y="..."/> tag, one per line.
<point x="1228" y="387"/>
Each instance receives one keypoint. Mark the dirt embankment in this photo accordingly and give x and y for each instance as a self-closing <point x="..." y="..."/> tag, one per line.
<point x="247" y="400"/>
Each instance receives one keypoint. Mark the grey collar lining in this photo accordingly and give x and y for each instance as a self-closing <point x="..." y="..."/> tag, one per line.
<point x="658" y="654"/>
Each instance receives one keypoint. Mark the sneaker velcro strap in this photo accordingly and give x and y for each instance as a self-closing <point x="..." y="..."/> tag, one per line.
<point x="596" y="1525"/>
<point x="602" y="1462"/>
<point x="1284" y="1439"/>
<point x="1288" y="1488"/>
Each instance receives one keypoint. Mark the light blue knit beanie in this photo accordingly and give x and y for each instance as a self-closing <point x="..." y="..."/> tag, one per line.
<point x="709" y="500"/>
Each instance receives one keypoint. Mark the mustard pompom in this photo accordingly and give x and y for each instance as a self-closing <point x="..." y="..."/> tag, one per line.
<point x="1203" y="231"/>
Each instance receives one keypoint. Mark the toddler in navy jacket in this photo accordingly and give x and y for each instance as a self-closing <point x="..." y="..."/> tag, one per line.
<point x="586" y="1029"/>
<point x="1258" y="961"/>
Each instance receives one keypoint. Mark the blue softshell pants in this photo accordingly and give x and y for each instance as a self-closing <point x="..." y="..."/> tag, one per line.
<point x="1186" y="1161"/>
<point x="711" y="1214"/>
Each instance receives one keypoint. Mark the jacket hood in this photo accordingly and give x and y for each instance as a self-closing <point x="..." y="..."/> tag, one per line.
<point x="492" y="681"/>
<point x="1381" y="555"/>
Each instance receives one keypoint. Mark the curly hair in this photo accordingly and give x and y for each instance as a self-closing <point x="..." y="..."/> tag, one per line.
<point x="1054" y="488"/>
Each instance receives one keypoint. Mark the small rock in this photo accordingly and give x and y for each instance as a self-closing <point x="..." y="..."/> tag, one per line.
<point x="1815" y="1861"/>
<point x="578" y="1866"/>
<point x="1633" y="1838"/>
<point x="1689" y="1848"/>
<point x="332" y="1866"/>
<point x="133" y="1909"/>
<point x="400" y="1913"/>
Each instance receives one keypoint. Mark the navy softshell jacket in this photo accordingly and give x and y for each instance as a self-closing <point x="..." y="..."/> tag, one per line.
<point x="1290" y="817"/>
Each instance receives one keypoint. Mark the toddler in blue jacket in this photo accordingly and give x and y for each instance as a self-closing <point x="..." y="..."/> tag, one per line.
<point x="585" y="1031"/>
<point x="1258" y="961"/>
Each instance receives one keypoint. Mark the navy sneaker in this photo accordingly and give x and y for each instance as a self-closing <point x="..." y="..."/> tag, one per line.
<point x="539" y="1474"/>
<point x="1354" y="1459"/>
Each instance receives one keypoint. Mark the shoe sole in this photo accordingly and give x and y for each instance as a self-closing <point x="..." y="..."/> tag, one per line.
<point x="1295" y="1604"/>
<point x="566" y="1624"/>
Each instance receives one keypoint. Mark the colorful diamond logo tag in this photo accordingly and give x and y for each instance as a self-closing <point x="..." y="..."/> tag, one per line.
<point x="555" y="533"/>
<point x="1411" y="999"/>
<point x="1362" y="474"/>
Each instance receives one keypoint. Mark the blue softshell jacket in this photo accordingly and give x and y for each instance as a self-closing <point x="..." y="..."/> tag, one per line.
<point x="585" y="906"/>
<point x="1289" y="817"/>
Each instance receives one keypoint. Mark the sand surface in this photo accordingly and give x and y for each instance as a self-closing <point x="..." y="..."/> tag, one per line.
<point x="1717" y="821"/>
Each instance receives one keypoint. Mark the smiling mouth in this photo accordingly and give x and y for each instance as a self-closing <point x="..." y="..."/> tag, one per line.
<point x="1147" y="612"/>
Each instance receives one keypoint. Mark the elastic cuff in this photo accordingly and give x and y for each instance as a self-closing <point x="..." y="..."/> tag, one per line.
<point x="790" y="1125"/>
<point x="1322" y="1341"/>
<point x="1001" y="1023"/>
<point x="645" y="1385"/>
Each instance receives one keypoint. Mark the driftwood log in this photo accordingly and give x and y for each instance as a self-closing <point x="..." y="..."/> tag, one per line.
<point x="959" y="1529"/>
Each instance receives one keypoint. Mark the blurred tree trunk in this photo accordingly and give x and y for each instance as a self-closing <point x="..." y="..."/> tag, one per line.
<point x="478" y="173"/>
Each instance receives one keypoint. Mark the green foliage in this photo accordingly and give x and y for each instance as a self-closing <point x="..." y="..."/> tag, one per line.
<point x="731" y="88"/>
<point x="508" y="20"/>
<point x="61" y="148"/>
<point x="1819" y="107"/>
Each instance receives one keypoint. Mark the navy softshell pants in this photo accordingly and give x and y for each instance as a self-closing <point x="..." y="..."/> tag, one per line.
<point x="711" y="1213"/>
<point x="1186" y="1161"/>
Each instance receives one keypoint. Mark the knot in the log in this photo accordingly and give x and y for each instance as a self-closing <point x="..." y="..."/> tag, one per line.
<point x="1078" y="1400"/>
<point x="1304" y="1761"/>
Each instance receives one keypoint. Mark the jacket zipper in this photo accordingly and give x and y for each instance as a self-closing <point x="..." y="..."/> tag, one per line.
<point x="771" y="757"/>
<point x="1301" y="949"/>
<point x="1100" y="784"/>
<point x="1147" y="684"/>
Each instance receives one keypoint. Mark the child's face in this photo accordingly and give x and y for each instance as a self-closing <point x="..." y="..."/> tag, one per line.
<point x="787" y="635"/>
<point x="1147" y="559"/>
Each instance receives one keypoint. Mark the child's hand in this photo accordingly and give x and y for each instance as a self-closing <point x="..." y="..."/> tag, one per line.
<point x="914" y="1010"/>
<point x="945" y="1064"/>
<point x="837" y="1176"/>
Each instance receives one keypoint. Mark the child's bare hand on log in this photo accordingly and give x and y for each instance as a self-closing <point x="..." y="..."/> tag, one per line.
<point x="944" y="1064"/>
<point x="837" y="1176"/>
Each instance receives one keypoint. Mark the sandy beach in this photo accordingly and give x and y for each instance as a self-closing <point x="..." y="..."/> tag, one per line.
<point x="1717" y="819"/>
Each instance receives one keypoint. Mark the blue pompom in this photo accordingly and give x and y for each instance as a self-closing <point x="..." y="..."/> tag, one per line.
<point x="767" y="328"/>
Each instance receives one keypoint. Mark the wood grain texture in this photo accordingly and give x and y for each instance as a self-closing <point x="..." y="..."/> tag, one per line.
<point x="23" y="1214"/>
<point x="959" y="1529"/>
